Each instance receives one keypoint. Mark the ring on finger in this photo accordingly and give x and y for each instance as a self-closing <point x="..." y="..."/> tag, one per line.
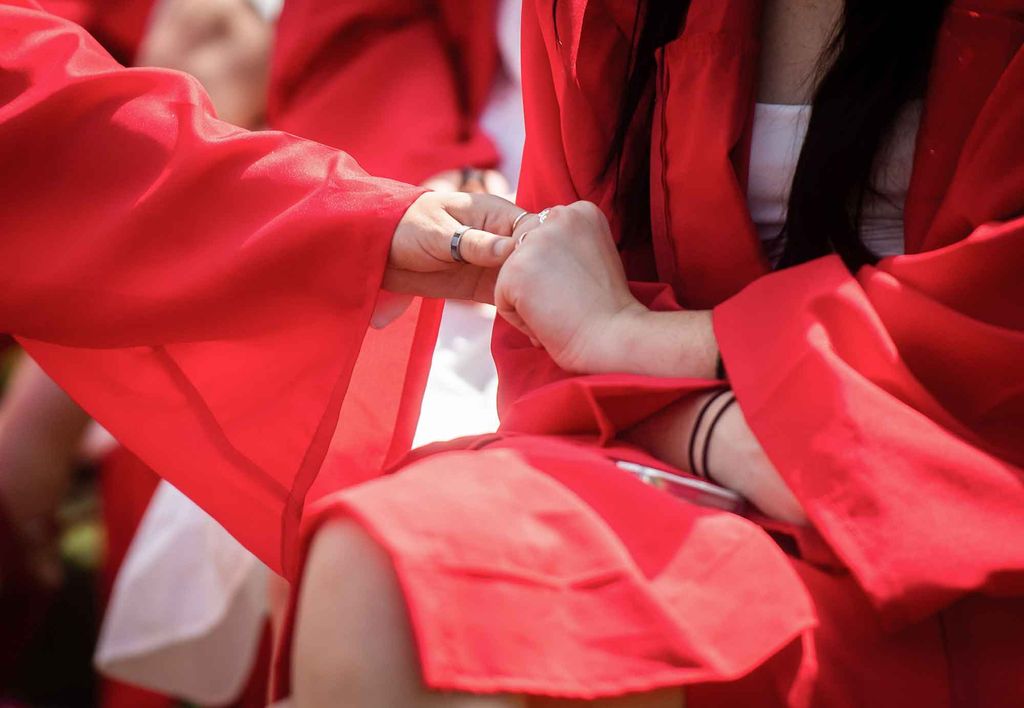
<point x="456" y="244"/>
<point x="543" y="215"/>
<point x="521" y="238"/>
<point x="515" y="224"/>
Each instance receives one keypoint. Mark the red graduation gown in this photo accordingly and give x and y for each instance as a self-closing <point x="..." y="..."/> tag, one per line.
<point x="890" y="400"/>
<point x="885" y="423"/>
<point x="202" y="291"/>
<point x="399" y="84"/>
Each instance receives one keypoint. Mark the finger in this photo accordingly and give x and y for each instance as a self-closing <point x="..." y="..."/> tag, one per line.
<point x="389" y="307"/>
<point x="526" y="224"/>
<point x="483" y="211"/>
<point x="513" y="318"/>
<point x="485" y="249"/>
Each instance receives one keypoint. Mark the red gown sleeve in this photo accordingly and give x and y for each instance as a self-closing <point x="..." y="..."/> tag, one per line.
<point x="200" y="290"/>
<point x="892" y="402"/>
<point x="412" y="76"/>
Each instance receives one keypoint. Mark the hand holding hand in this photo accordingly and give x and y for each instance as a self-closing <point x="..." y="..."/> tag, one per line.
<point x="565" y="288"/>
<point x="421" y="262"/>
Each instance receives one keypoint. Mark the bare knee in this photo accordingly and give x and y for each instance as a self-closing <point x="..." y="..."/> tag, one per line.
<point x="351" y="623"/>
<point x="353" y="643"/>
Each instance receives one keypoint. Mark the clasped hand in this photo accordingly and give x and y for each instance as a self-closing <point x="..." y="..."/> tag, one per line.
<point x="564" y="287"/>
<point x="561" y="282"/>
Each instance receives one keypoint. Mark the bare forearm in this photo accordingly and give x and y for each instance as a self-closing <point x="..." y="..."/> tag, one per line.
<point x="666" y="435"/>
<point x="669" y="344"/>
<point x="730" y="455"/>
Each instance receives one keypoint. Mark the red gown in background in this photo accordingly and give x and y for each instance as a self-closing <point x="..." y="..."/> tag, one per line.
<point x="118" y="25"/>
<point x="891" y="401"/>
<point x="399" y="84"/>
<point x="200" y="290"/>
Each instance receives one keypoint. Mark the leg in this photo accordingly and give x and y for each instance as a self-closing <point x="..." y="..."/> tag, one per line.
<point x="353" y="642"/>
<point x="40" y="431"/>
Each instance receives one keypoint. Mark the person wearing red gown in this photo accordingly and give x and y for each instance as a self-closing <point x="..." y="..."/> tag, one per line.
<point x="884" y="565"/>
<point x="165" y="266"/>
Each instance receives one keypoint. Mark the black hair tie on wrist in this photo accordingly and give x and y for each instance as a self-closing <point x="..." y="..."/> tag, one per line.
<point x="707" y="439"/>
<point x="691" y="450"/>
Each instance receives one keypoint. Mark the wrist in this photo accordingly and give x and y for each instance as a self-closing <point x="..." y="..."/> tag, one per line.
<point x="646" y="342"/>
<point x="620" y="338"/>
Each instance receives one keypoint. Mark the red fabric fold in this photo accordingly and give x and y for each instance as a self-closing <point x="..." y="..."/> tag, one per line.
<point x="608" y="586"/>
<point x="336" y="62"/>
<point x="893" y="402"/>
<point x="200" y="290"/>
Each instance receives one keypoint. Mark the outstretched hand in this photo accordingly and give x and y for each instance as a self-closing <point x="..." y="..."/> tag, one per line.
<point x="421" y="263"/>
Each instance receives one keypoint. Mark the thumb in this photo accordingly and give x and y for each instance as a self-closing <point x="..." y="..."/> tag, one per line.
<point x="482" y="248"/>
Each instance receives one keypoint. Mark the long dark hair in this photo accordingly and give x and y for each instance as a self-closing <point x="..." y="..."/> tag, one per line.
<point x="877" y="60"/>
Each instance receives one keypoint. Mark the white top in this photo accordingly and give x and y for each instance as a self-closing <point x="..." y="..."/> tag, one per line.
<point x="778" y="136"/>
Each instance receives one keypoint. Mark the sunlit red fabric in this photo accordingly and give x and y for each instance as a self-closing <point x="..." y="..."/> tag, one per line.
<point x="915" y="363"/>
<point x="200" y="290"/>
<point x="889" y="400"/>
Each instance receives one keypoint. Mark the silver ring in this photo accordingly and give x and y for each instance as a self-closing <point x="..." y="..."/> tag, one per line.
<point x="543" y="216"/>
<point x="457" y="243"/>
<point x="521" y="238"/>
<point x="515" y="224"/>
